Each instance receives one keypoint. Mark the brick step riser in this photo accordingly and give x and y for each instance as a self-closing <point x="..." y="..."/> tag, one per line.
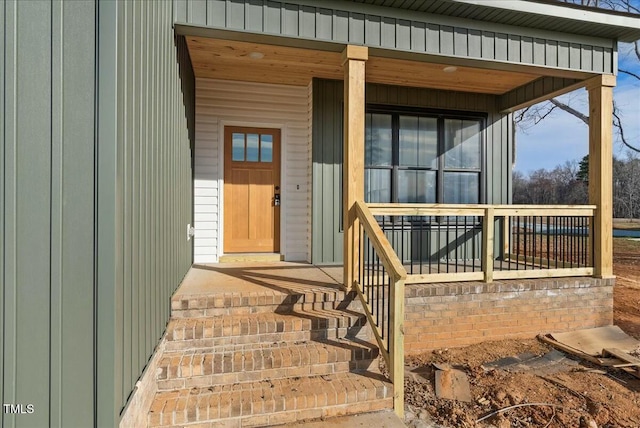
<point x="221" y="328"/>
<point x="239" y="300"/>
<point x="202" y="381"/>
<point x="291" y="416"/>
<point x="254" y="408"/>
<point x="279" y="309"/>
<point x="194" y="363"/>
<point x="358" y="332"/>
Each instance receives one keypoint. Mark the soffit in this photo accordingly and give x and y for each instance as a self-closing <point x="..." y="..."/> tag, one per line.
<point x="231" y="60"/>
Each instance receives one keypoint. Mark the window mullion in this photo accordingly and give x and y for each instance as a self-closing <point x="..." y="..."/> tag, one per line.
<point x="395" y="156"/>
<point x="440" y="162"/>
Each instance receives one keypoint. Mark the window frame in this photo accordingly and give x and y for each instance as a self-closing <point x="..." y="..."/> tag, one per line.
<point x="440" y="169"/>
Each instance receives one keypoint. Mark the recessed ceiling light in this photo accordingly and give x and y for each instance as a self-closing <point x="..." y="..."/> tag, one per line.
<point x="256" y="55"/>
<point x="450" y="69"/>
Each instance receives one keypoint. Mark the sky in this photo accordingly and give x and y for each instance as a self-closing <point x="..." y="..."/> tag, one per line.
<point x="562" y="137"/>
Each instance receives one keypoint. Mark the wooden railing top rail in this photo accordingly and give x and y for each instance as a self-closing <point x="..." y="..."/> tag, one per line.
<point x="379" y="241"/>
<point x="480" y="209"/>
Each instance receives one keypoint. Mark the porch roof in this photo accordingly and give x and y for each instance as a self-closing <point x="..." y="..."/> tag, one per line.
<point x="521" y="52"/>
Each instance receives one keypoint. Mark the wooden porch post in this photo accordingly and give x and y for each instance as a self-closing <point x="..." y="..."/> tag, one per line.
<point x="353" y="61"/>
<point x="601" y="171"/>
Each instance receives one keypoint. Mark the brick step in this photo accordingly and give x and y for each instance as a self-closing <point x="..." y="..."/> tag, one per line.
<point x="192" y="306"/>
<point x="243" y="363"/>
<point x="188" y="333"/>
<point x="272" y="402"/>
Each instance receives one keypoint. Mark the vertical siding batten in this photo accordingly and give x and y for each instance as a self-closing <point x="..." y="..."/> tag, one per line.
<point x="71" y="214"/>
<point x="4" y="181"/>
<point x="56" y="287"/>
<point x="127" y="147"/>
<point x="107" y="361"/>
<point x="30" y="202"/>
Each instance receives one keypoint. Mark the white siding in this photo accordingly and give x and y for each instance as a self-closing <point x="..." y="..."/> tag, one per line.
<point x="223" y="103"/>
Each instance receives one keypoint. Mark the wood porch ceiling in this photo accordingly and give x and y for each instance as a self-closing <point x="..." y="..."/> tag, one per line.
<point x="231" y="60"/>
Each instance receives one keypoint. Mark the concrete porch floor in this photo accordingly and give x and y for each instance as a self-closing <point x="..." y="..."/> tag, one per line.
<point x="259" y="278"/>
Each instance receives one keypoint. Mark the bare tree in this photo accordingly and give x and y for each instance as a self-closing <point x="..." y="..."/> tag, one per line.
<point x="531" y="116"/>
<point x="567" y="184"/>
<point x="561" y="185"/>
<point x="626" y="187"/>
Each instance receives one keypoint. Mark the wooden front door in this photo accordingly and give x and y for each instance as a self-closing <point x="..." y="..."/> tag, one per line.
<point x="251" y="190"/>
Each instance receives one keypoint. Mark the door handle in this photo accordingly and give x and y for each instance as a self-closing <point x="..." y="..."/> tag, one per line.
<point x="276" y="200"/>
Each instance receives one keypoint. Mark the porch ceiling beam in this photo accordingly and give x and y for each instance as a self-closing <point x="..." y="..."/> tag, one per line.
<point x="545" y="89"/>
<point x="353" y="61"/>
<point x="601" y="171"/>
<point x="539" y="90"/>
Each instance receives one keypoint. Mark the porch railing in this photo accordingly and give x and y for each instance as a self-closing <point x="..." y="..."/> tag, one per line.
<point x="442" y="243"/>
<point x="379" y="282"/>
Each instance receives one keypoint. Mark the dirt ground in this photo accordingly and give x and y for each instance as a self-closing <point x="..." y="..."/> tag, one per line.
<point x="580" y="395"/>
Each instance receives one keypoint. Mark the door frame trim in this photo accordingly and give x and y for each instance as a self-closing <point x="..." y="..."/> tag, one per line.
<point x="220" y="179"/>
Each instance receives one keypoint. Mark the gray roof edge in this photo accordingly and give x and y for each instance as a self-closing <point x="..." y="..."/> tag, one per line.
<point x="625" y="26"/>
<point x="584" y="7"/>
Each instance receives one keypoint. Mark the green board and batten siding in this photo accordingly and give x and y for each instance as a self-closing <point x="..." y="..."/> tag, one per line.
<point x="145" y="105"/>
<point x="327" y="239"/>
<point x="95" y="196"/>
<point x="47" y="71"/>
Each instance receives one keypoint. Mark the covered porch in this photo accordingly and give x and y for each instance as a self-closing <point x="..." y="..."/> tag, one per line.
<point x="526" y="241"/>
<point x="426" y="273"/>
<point x="392" y="252"/>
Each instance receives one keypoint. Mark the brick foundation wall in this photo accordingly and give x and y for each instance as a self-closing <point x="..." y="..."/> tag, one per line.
<point x="137" y="410"/>
<point x="459" y="314"/>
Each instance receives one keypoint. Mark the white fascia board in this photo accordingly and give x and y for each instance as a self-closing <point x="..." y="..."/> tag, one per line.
<point x="602" y="17"/>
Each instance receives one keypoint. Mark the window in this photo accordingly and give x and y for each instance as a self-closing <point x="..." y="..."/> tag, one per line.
<point x="251" y="147"/>
<point x="422" y="158"/>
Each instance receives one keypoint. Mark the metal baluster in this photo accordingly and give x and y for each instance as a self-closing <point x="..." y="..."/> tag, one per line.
<point x="381" y="300"/>
<point x="572" y="241"/>
<point x="371" y="273"/>
<point x="556" y="242"/>
<point x="420" y="242"/>
<point x="527" y="223"/>
<point x="548" y="234"/>
<point x="583" y="241"/>
<point x="473" y="244"/>
<point x="563" y="247"/>
<point x="438" y="233"/>
<point x="402" y="221"/>
<point x="376" y="293"/>
<point x="533" y="244"/>
<point x="429" y="241"/>
<point x="361" y="252"/>
<point x="518" y="243"/>
<point x="447" y="248"/>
